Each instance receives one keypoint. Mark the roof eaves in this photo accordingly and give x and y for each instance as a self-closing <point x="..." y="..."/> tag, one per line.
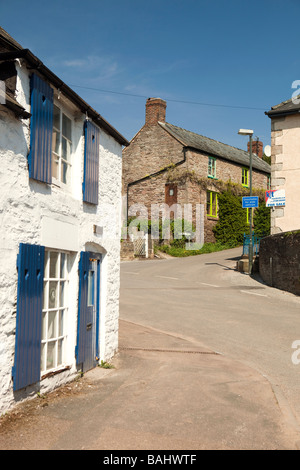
<point x="27" y="55"/>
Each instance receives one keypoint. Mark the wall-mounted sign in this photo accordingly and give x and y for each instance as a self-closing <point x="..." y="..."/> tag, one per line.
<point x="275" y="197"/>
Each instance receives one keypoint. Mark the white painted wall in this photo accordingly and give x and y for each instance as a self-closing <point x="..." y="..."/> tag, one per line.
<point x="36" y="213"/>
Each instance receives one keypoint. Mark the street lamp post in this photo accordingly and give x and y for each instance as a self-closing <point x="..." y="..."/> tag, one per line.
<point x="249" y="132"/>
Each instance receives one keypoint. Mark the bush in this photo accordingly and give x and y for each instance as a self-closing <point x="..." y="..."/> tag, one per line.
<point x="262" y="220"/>
<point x="232" y="223"/>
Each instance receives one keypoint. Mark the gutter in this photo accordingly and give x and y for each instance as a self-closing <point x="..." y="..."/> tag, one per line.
<point x="133" y="183"/>
<point x="36" y="64"/>
<point x="271" y="114"/>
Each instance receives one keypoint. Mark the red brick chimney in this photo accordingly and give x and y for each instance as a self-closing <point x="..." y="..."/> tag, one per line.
<point x="257" y="148"/>
<point x="155" y="110"/>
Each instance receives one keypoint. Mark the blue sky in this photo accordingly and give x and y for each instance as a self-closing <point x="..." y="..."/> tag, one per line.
<point x="213" y="61"/>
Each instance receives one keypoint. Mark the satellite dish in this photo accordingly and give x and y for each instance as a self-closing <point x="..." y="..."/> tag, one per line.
<point x="267" y="150"/>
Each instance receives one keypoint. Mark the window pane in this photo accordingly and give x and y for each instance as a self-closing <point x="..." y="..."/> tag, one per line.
<point x="51" y="355"/>
<point x="61" y="323"/>
<point x="55" y="141"/>
<point x="62" y="294"/>
<point x="55" y="166"/>
<point x="56" y="117"/>
<point x="65" y="171"/>
<point x="66" y="127"/>
<point x="59" y="351"/>
<point x="43" y="357"/>
<point x="44" y="319"/>
<point x="62" y="265"/>
<point x="66" y="149"/>
<point x="52" y="330"/>
<point x="46" y="266"/>
<point x="54" y="267"/>
<point x="45" y="298"/>
<point x="53" y="291"/>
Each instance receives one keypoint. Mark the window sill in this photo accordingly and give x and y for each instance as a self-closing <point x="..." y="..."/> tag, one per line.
<point x="212" y="177"/>
<point x="59" y="184"/>
<point x="51" y="373"/>
<point x="212" y="217"/>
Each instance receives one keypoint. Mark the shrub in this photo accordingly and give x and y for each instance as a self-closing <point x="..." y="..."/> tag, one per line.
<point x="232" y="223"/>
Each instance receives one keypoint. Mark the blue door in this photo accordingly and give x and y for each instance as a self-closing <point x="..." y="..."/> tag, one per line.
<point x="87" y="349"/>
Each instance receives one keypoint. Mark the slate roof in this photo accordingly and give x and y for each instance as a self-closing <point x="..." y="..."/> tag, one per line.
<point x="286" y="107"/>
<point x="215" y="148"/>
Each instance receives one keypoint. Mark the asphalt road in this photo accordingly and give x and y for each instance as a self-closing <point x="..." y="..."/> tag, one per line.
<point x="203" y="298"/>
<point x="168" y="389"/>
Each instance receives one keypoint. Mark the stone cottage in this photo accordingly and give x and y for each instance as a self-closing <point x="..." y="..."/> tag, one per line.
<point x="60" y="179"/>
<point x="165" y="164"/>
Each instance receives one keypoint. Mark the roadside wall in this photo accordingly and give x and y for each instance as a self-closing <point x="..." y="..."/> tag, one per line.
<point x="279" y="261"/>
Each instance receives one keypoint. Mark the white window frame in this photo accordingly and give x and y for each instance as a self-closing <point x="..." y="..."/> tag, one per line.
<point x="59" y="336"/>
<point x="58" y="181"/>
<point x="212" y="167"/>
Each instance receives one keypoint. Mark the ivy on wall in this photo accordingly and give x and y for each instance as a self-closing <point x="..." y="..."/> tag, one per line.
<point x="232" y="218"/>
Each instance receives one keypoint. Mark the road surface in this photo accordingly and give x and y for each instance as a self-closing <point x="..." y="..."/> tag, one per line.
<point x="204" y="298"/>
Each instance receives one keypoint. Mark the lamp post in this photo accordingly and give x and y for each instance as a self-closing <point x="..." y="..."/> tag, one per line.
<point x="249" y="132"/>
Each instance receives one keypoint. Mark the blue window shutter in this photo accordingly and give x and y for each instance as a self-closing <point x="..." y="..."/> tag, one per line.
<point x="84" y="264"/>
<point x="30" y="264"/>
<point x="41" y="124"/>
<point x="91" y="163"/>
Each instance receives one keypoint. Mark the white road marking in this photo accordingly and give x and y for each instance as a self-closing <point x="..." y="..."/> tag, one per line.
<point x="130" y="272"/>
<point x="211" y="285"/>
<point x="167" y="277"/>
<point x="253" y="293"/>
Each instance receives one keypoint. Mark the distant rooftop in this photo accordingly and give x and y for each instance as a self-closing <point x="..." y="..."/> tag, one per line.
<point x="215" y="148"/>
<point x="291" y="106"/>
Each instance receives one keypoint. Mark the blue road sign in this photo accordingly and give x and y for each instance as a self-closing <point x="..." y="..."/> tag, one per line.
<point x="250" y="201"/>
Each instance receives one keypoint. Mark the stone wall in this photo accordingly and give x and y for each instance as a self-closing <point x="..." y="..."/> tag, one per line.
<point x="279" y="261"/>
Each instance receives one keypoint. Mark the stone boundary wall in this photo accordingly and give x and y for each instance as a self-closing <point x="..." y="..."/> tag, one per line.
<point x="279" y="261"/>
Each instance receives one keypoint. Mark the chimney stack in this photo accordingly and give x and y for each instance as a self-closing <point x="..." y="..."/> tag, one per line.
<point x="155" y="110"/>
<point x="257" y="148"/>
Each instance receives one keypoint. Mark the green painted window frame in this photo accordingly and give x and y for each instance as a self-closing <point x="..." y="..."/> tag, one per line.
<point x="212" y="204"/>
<point x="245" y="177"/>
<point x="212" y="167"/>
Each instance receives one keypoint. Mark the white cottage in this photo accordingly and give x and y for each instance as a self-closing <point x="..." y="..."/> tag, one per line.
<point x="60" y="212"/>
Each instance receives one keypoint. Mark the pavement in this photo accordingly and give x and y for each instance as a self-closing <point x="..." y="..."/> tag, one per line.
<point x="165" y="393"/>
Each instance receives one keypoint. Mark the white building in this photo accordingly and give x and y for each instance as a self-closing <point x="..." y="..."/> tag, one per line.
<point x="60" y="211"/>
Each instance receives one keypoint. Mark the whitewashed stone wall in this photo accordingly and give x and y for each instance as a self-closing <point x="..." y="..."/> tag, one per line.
<point x="48" y="215"/>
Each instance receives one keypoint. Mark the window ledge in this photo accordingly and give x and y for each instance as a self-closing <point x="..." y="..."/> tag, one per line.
<point x="212" y="217"/>
<point x="212" y="177"/>
<point x="51" y="373"/>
